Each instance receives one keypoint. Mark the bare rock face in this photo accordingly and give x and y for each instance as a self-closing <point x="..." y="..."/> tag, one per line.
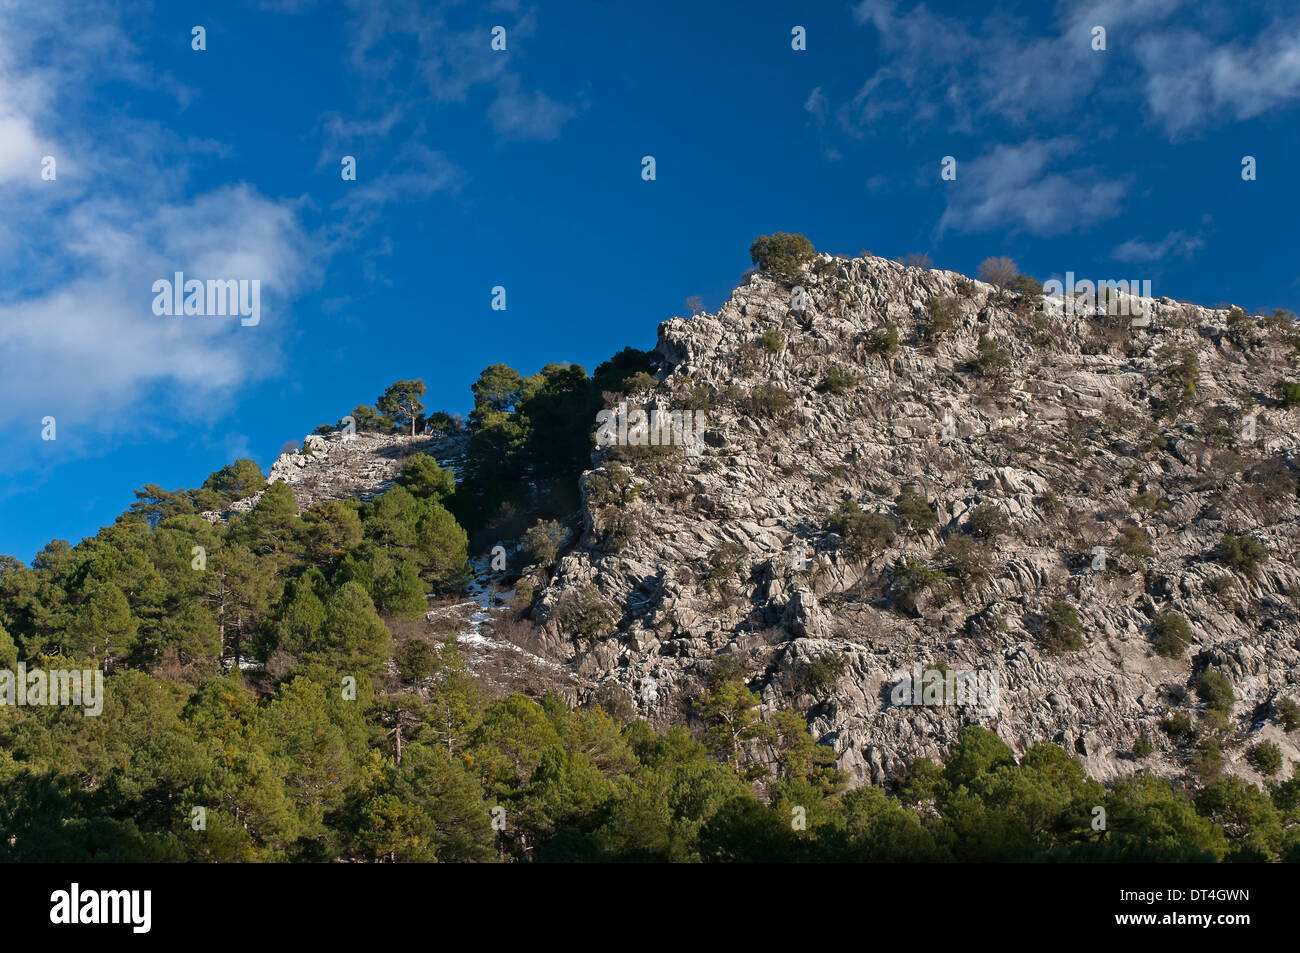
<point x="1055" y="419"/>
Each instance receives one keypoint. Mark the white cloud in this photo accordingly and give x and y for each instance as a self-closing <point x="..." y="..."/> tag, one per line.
<point x="1015" y="188"/>
<point x="454" y="56"/>
<point x="1177" y="243"/>
<point x="941" y="68"/>
<point x="1191" y="84"/>
<point x="516" y="114"/>
<point x="90" y="349"/>
<point x="20" y="151"/>
<point x="78" y="337"/>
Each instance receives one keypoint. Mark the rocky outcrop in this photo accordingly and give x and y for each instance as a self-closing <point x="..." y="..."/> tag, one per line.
<point x="342" y="465"/>
<point x="1057" y="420"/>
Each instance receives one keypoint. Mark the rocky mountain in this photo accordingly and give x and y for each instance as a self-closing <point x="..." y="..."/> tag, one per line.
<point x="901" y="469"/>
<point x="1076" y="467"/>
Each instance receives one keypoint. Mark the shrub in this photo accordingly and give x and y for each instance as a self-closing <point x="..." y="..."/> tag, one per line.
<point x="944" y="313"/>
<point x="1215" y="690"/>
<point x="772" y="341"/>
<point x="865" y="534"/>
<point x="726" y="561"/>
<point x="1150" y="502"/>
<point x="1266" y="757"/>
<point x="781" y="255"/>
<point x="765" y="400"/>
<point x="1288" y="712"/>
<point x="910" y="578"/>
<point x="991" y="361"/>
<point x="969" y="562"/>
<point x="824" y="671"/>
<point x="1181" y="371"/>
<point x="884" y="341"/>
<point x="914" y="510"/>
<point x="1062" y="629"/>
<point x="639" y="383"/>
<point x="613" y="700"/>
<point x="1026" y="285"/>
<point x="699" y="397"/>
<point x="608" y="485"/>
<point x="917" y="260"/>
<point x="1135" y="543"/>
<point x="416" y="660"/>
<point x="584" y="614"/>
<point x="1243" y="553"/>
<point x="1208" y="763"/>
<point x="1171" y="634"/>
<point x="987" y="521"/>
<point x="1221" y="585"/>
<point x="1179" y="726"/>
<point x="621" y="529"/>
<point x="1239" y="324"/>
<point x="1142" y="749"/>
<point x="543" y="541"/>
<point x="999" y="272"/>
<point x="1288" y="393"/>
<point x="838" y="380"/>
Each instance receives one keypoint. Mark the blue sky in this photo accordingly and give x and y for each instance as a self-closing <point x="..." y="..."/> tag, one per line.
<point x="522" y="169"/>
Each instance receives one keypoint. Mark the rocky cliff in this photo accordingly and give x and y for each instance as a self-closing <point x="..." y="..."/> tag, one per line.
<point x="1089" y="435"/>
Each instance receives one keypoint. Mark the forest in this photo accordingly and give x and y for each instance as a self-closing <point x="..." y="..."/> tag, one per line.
<point x="359" y="740"/>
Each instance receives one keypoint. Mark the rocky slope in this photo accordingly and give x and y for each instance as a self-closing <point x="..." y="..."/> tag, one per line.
<point x="340" y="465"/>
<point x="685" y="557"/>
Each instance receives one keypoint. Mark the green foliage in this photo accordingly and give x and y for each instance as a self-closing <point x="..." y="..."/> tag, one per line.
<point x="991" y="361"/>
<point x="1026" y="285"/>
<point x="824" y="671"/>
<point x="367" y="419"/>
<point x="944" y="312"/>
<point x="401" y="403"/>
<point x="766" y="401"/>
<point x="1242" y="553"/>
<point x="543" y="541"/>
<point x="987" y="521"/>
<point x="772" y="341"/>
<point x="1150" y="502"/>
<point x="1288" y="713"/>
<point x="884" y="341"/>
<point x="726" y="562"/>
<point x="1215" y="690"/>
<point x="1180" y="371"/>
<point x="969" y="562"/>
<point x="425" y="479"/>
<point x="1134" y="543"/>
<point x="865" y="534"/>
<point x="1062" y="628"/>
<point x="1178" y="726"/>
<point x="838" y="380"/>
<point x="1288" y="393"/>
<point x="914" y="511"/>
<point x="235" y="481"/>
<point x="1266" y="757"/>
<point x="584" y="615"/>
<point x="910" y="578"/>
<point x="782" y="255"/>
<point x="1171" y="634"/>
